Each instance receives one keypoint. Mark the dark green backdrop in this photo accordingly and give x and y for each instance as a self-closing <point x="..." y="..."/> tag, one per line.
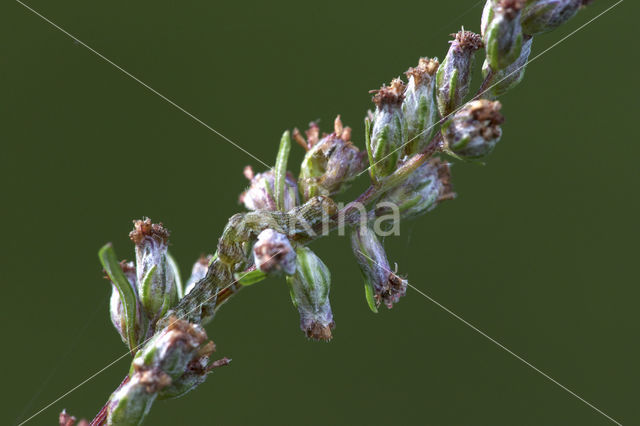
<point x="539" y="250"/>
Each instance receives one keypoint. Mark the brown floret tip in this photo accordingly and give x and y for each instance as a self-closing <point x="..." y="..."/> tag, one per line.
<point x="424" y="71"/>
<point x="485" y="110"/>
<point x="467" y="40"/>
<point x="145" y="228"/>
<point x="318" y="331"/>
<point x="389" y="95"/>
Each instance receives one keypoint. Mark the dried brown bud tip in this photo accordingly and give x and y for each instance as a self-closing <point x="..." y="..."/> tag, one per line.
<point x="425" y="70"/>
<point x="485" y="110"/>
<point x="318" y="331"/>
<point x="297" y="136"/>
<point x="467" y="40"/>
<point x="313" y="134"/>
<point x="146" y="229"/>
<point x="391" y="95"/>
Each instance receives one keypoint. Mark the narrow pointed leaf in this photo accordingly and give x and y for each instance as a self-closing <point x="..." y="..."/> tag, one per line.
<point x="112" y="267"/>
<point x="281" y="169"/>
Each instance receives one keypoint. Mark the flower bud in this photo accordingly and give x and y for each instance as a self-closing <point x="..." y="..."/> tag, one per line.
<point x="454" y="74"/>
<point x="387" y="136"/>
<point x="65" y="419"/>
<point x="198" y="271"/>
<point x="475" y="130"/>
<point x="423" y="190"/>
<point x="156" y="282"/>
<point x="330" y="164"/>
<point x="418" y="106"/>
<point x="309" y="288"/>
<point x="381" y="284"/>
<point x="502" y="32"/>
<point x="117" y="311"/>
<point x="506" y="79"/>
<point x="541" y="16"/>
<point x="178" y="352"/>
<point x="261" y="193"/>
<point x="272" y="253"/>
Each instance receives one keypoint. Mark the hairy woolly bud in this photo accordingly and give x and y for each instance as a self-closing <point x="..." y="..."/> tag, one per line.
<point x="541" y="16"/>
<point x="454" y="74"/>
<point x="502" y="32"/>
<point x="474" y="131"/>
<point x="198" y="272"/>
<point x="429" y="185"/>
<point x="309" y="288"/>
<point x="419" y="107"/>
<point x="261" y="192"/>
<point x="272" y="253"/>
<point x="330" y="164"/>
<point x="506" y="79"/>
<point x="381" y="284"/>
<point x="117" y="311"/>
<point x="156" y="281"/>
<point x="165" y="367"/>
<point x="387" y="133"/>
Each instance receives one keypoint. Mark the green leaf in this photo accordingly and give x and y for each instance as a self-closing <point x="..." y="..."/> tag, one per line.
<point x="128" y="297"/>
<point x="368" y="293"/>
<point x="281" y="169"/>
<point x="367" y="142"/>
<point x="250" y="278"/>
<point x="176" y="272"/>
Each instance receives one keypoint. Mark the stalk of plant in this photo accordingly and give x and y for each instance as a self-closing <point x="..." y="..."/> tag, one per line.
<point x="415" y="127"/>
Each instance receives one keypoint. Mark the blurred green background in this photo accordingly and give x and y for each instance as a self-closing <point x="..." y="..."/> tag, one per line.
<point x="540" y="250"/>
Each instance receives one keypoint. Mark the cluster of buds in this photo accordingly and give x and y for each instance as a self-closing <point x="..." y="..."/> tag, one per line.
<point x="172" y="363"/>
<point x="285" y="212"/>
<point x="144" y="291"/>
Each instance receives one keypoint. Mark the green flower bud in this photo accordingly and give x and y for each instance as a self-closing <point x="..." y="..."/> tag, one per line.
<point x="419" y="107"/>
<point x="429" y="185"/>
<point x="309" y="288"/>
<point x="272" y="253"/>
<point x="330" y="164"/>
<point x="156" y="282"/>
<point x="454" y="74"/>
<point x="506" y="79"/>
<point x="198" y="271"/>
<point x="502" y="32"/>
<point x="387" y="136"/>
<point x="117" y="311"/>
<point x="381" y="284"/>
<point x="541" y="16"/>
<point x="261" y="193"/>
<point x="178" y="352"/>
<point x="474" y="131"/>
